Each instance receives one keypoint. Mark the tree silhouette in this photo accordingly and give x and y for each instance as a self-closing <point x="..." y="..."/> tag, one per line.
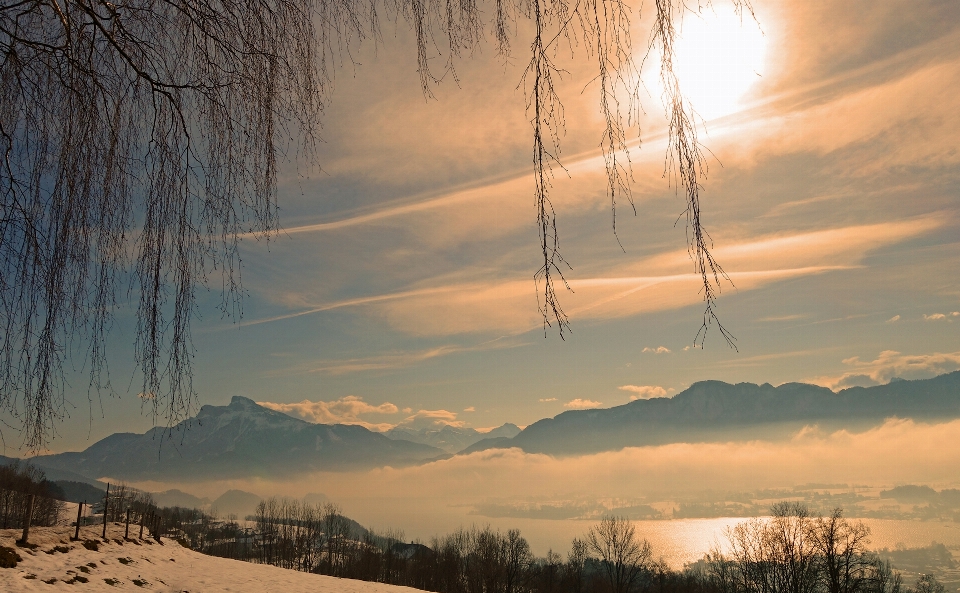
<point x="623" y="556"/>
<point x="140" y="139"/>
<point x="842" y="547"/>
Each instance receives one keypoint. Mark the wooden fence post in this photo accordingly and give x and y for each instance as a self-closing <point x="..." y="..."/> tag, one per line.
<point x="142" y="516"/>
<point x="27" y="520"/>
<point x="126" y="532"/>
<point x="76" y="534"/>
<point x="106" y="506"/>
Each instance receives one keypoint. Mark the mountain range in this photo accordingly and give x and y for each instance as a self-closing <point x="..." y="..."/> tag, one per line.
<point x="451" y="439"/>
<point x="244" y="439"/>
<point x="241" y="439"/>
<point x="713" y="410"/>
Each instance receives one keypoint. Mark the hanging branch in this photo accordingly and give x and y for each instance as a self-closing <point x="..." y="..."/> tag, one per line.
<point x="547" y="121"/>
<point x="608" y="23"/>
<point x="141" y="139"/>
<point x="686" y="164"/>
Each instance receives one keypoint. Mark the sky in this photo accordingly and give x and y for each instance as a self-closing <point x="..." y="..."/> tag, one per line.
<point x="401" y="290"/>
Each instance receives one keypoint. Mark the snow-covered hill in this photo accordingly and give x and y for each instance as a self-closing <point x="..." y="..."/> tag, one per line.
<point x="144" y="565"/>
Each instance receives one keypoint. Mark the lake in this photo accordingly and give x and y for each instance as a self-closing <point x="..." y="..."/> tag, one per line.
<point x="681" y="541"/>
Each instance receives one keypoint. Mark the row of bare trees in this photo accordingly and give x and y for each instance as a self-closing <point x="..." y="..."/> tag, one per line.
<point x="18" y="481"/>
<point x="796" y="552"/>
<point x="319" y="539"/>
<point x="122" y="498"/>
<point x="791" y="552"/>
<point x="293" y="534"/>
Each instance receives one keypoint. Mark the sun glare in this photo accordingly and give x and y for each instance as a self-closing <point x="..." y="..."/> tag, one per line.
<point x="719" y="57"/>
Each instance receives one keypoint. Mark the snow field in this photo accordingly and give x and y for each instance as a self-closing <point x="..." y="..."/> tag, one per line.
<point x="57" y="563"/>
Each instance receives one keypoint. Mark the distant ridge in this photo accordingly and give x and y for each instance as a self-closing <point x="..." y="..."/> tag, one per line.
<point x="713" y="410"/>
<point x="242" y="439"/>
<point x="450" y="438"/>
<point x="54" y="474"/>
<point x="245" y="440"/>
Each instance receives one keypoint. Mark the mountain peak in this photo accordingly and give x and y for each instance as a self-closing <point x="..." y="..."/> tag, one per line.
<point x="241" y="439"/>
<point x="243" y="403"/>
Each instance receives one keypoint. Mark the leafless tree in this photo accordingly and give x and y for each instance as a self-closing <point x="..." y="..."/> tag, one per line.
<point x="576" y="562"/>
<point x="883" y="578"/>
<point x="792" y="549"/>
<point x="336" y="531"/>
<point x="141" y="139"/>
<point x="517" y="561"/>
<point x="485" y="561"/>
<point x="18" y="481"/>
<point x="623" y="556"/>
<point x="548" y="572"/>
<point x="927" y="583"/>
<point x="794" y="552"/>
<point x="842" y="547"/>
<point x="749" y="566"/>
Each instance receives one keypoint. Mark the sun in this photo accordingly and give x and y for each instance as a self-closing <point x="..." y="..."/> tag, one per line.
<point x="719" y="57"/>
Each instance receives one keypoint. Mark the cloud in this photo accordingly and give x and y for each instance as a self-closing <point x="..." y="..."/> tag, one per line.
<point x="547" y="399"/>
<point x="890" y="364"/>
<point x="781" y="318"/>
<point x="941" y="316"/>
<point x="394" y="360"/>
<point x="900" y="121"/>
<point x="582" y="404"/>
<point x="841" y="246"/>
<point x="658" y="350"/>
<point x="470" y="409"/>
<point x="455" y="306"/>
<point x="658" y="283"/>
<point x="894" y="319"/>
<point x="346" y="410"/>
<point x="432" y="419"/>
<point x="644" y="391"/>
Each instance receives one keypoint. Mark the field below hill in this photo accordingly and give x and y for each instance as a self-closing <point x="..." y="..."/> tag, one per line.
<point x="137" y="565"/>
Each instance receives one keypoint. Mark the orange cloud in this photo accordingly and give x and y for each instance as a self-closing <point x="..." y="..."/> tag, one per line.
<point x="432" y="419"/>
<point x="890" y="364"/>
<point x="644" y="391"/>
<point x="907" y="118"/>
<point x="941" y="316"/>
<point x="582" y="404"/>
<point x="346" y="410"/>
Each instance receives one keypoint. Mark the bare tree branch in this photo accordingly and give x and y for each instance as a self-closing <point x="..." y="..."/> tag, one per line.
<point x="141" y="139"/>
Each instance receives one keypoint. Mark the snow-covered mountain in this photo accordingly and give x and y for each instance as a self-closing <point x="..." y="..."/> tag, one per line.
<point x="240" y="440"/>
<point x="451" y="439"/>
